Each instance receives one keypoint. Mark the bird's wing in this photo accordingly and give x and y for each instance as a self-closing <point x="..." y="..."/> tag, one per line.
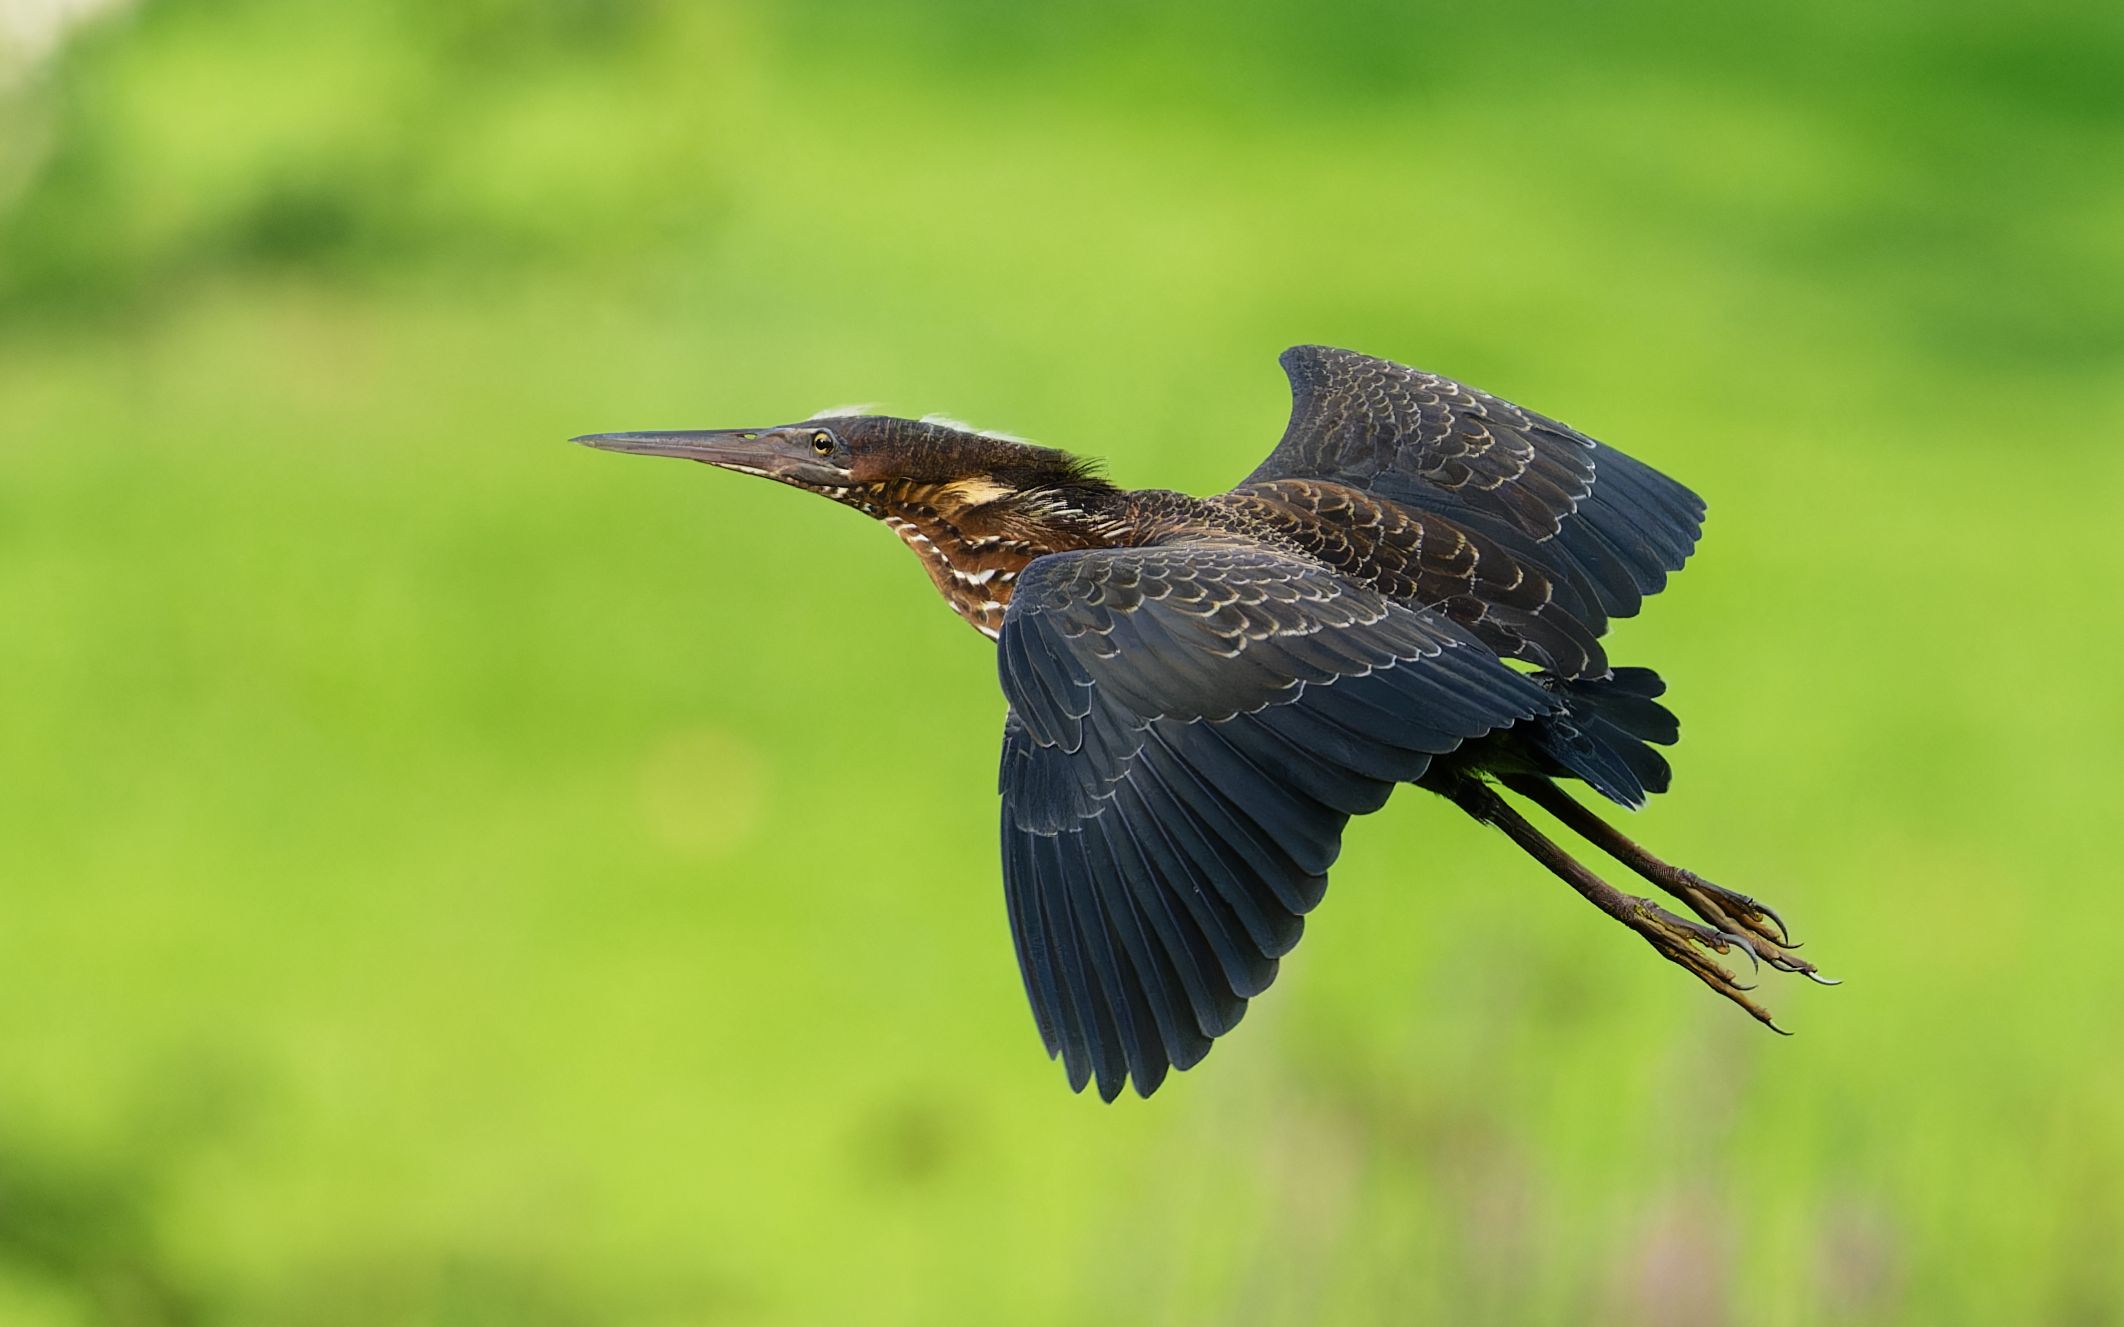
<point x="1191" y="726"/>
<point x="1611" y="526"/>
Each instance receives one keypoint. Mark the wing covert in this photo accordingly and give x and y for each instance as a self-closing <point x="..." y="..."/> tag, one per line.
<point x="1609" y="525"/>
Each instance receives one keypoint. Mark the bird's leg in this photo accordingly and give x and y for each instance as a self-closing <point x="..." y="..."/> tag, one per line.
<point x="1726" y="909"/>
<point x="1687" y="943"/>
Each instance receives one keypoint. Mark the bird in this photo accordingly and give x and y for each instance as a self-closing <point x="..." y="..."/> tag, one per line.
<point x="1202" y="692"/>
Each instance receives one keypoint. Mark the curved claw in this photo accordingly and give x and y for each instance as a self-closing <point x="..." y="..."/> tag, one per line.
<point x="1818" y="979"/>
<point x="1748" y="947"/>
<point x="1772" y="1025"/>
<point x="1784" y="933"/>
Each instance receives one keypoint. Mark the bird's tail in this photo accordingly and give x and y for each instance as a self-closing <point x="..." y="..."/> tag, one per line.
<point x="1602" y="733"/>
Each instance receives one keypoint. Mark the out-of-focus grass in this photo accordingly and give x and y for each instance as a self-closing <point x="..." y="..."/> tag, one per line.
<point x="453" y="877"/>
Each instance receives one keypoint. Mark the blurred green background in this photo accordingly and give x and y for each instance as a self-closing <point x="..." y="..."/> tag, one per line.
<point x="452" y="877"/>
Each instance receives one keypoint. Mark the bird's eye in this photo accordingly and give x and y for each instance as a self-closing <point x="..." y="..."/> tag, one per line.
<point x="822" y="443"/>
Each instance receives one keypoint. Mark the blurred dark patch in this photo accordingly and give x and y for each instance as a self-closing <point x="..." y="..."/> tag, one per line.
<point x="88" y="1217"/>
<point x="298" y="220"/>
<point x="87" y="1221"/>
<point x="909" y="1142"/>
<point x="85" y="1226"/>
<point x="2065" y="69"/>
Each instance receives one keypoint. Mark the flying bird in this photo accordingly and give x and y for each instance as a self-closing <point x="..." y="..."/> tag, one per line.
<point x="1204" y="690"/>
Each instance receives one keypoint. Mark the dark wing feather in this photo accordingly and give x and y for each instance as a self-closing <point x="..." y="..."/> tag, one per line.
<point x="1610" y="526"/>
<point x="1191" y="727"/>
<point x="1499" y="593"/>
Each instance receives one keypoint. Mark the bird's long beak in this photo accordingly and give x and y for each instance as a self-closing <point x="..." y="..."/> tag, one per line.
<point x="735" y="449"/>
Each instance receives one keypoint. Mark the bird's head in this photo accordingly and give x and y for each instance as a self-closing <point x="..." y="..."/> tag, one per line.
<point x="883" y="465"/>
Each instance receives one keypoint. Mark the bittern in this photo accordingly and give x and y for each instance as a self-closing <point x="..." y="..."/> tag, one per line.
<point x="1203" y="690"/>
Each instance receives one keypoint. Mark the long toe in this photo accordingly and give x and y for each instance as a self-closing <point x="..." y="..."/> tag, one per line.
<point x="1691" y="946"/>
<point x="1731" y="910"/>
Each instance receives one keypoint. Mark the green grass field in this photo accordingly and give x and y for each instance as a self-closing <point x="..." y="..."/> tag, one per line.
<point x="452" y="877"/>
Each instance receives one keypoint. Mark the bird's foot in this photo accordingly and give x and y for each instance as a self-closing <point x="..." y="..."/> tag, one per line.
<point x="1735" y="914"/>
<point x="1692" y="944"/>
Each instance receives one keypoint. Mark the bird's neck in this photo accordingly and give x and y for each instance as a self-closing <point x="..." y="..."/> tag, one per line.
<point x="974" y="536"/>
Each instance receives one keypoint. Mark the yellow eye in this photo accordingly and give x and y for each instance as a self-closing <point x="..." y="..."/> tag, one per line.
<point x="822" y="443"/>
